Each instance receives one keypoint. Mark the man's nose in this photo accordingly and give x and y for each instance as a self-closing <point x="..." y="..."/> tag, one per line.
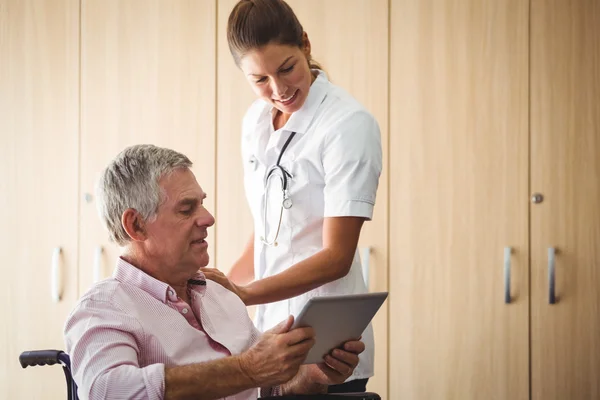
<point x="205" y="219"/>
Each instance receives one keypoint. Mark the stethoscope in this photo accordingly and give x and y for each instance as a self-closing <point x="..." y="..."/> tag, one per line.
<point x="277" y="171"/>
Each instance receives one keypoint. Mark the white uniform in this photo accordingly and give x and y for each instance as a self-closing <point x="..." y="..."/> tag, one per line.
<point x="335" y="160"/>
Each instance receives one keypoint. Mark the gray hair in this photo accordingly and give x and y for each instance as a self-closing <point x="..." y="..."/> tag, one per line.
<point x="131" y="181"/>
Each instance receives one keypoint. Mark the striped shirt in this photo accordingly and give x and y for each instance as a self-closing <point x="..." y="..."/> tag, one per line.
<point x="126" y="329"/>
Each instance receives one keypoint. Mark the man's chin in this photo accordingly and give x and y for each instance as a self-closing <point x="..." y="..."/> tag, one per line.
<point x="202" y="262"/>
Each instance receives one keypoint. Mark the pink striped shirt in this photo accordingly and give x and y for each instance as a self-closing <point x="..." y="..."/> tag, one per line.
<point x="126" y="329"/>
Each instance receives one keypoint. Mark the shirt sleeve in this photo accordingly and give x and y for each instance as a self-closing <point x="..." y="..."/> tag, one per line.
<point x="352" y="161"/>
<point x="104" y="355"/>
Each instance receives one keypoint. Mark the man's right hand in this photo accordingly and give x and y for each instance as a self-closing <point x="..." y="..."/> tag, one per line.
<point x="276" y="357"/>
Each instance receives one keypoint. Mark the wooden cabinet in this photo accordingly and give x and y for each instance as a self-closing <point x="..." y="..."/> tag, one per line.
<point x="39" y="103"/>
<point x="147" y="76"/>
<point x="490" y="103"/>
<point x="458" y="196"/>
<point x="481" y="104"/>
<point x="350" y="40"/>
<point x="565" y="169"/>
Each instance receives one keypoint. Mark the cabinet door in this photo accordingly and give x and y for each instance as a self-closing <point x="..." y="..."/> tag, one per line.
<point x="234" y="224"/>
<point x="39" y="76"/>
<point x="350" y="40"/>
<point x="148" y="71"/>
<point x="458" y="198"/>
<point x="565" y="169"/>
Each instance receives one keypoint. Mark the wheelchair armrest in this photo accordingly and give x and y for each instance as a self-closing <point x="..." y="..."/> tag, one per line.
<point x="331" y="396"/>
<point x="40" y="357"/>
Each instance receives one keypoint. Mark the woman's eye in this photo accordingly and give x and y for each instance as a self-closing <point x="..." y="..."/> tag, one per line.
<point x="261" y="80"/>
<point x="288" y="69"/>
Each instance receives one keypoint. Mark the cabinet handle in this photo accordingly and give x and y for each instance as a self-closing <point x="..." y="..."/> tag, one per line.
<point x="56" y="275"/>
<point x="551" y="294"/>
<point x="98" y="264"/>
<point x="365" y="254"/>
<point x="507" y="252"/>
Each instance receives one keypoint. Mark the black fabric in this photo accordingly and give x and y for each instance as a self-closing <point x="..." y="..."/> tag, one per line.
<point x="355" y="386"/>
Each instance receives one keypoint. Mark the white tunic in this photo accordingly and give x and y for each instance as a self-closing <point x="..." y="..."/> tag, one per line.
<point x="335" y="160"/>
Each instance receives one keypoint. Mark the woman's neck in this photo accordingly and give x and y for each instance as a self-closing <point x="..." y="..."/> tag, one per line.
<point x="280" y="119"/>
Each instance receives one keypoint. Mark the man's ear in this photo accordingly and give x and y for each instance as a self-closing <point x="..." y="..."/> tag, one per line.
<point x="134" y="225"/>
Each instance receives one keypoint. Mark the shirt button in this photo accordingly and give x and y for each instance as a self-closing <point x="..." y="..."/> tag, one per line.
<point x="184" y="311"/>
<point x="171" y="292"/>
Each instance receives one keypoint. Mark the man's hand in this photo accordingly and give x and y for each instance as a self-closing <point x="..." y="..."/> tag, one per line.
<point x="338" y="365"/>
<point x="278" y="354"/>
<point x="217" y="276"/>
<point x="336" y="368"/>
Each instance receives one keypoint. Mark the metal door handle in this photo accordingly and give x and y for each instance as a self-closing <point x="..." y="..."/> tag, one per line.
<point x="507" y="252"/>
<point x="56" y="276"/>
<point x="551" y="293"/>
<point x="365" y="253"/>
<point x="98" y="272"/>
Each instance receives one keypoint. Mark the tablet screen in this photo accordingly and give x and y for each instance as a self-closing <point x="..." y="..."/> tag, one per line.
<point x="337" y="319"/>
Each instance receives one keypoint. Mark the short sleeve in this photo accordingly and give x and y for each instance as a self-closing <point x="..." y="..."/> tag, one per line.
<point x="352" y="162"/>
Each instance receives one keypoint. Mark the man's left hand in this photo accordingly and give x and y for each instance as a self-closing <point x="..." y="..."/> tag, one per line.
<point x="338" y="365"/>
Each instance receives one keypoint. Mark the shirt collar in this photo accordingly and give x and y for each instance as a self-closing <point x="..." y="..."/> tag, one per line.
<point x="301" y="119"/>
<point x="131" y="275"/>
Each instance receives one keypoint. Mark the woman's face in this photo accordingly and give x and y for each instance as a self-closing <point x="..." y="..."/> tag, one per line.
<point x="279" y="74"/>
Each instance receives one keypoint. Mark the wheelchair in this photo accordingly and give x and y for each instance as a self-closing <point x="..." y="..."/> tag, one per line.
<point x="52" y="357"/>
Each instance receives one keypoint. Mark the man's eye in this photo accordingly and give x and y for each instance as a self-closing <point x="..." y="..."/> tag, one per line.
<point x="261" y="80"/>
<point x="187" y="211"/>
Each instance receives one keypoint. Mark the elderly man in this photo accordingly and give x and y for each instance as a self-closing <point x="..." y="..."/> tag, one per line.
<point x="158" y="329"/>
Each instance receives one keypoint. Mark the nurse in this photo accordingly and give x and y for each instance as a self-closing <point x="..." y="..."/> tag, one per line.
<point x="312" y="160"/>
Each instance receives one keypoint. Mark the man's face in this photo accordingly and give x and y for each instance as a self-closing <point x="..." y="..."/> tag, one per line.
<point x="176" y="238"/>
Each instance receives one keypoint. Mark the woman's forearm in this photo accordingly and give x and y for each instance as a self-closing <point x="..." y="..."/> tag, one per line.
<point x="319" y="269"/>
<point x="340" y="238"/>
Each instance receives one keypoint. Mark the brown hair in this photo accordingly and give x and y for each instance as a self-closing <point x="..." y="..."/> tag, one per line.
<point x="255" y="23"/>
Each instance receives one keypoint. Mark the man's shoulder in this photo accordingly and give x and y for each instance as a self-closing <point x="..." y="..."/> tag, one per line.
<point x="106" y="301"/>
<point x="108" y="294"/>
<point x="102" y="291"/>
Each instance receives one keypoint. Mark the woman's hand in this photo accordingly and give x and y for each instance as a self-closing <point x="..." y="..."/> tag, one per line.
<point x="217" y="276"/>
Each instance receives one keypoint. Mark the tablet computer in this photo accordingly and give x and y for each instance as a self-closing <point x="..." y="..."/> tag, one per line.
<point x="337" y="319"/>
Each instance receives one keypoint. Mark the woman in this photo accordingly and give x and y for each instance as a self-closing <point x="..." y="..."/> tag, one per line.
<point x="312" y="160"/>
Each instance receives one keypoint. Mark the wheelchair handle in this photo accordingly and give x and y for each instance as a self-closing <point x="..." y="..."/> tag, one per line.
<point x="40" y="357"/>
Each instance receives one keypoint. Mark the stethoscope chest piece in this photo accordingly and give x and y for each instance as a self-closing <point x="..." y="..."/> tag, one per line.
<point x="287" y="203"/>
